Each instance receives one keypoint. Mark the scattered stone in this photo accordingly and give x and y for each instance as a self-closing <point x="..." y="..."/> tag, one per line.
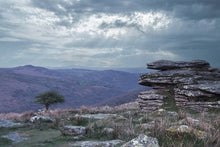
<point x="142" y="141"/>
<point x="95" y="116"/>
<point x="161" y="111"/>
<point x="110" y="143"/>
<point x="14" y="136"/>
<point x="193" y="122"/>
<point x="7" y="123"/>
<point x="172" y="113"/>
<point x="78" y="137"/>
<point x="183" y="128"/>
<point x="108" y="131"/>
<point x="73" y="130"/>
<point x="40" y="118"/>
<point x="192" y="85"/>
<point x="147" y="126"/>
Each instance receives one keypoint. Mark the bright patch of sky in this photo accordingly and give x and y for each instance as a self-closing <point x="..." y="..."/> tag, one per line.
<point x="110" y="34"/>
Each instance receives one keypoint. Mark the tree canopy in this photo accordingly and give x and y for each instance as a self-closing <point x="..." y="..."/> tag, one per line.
<point x="48" y="98"/>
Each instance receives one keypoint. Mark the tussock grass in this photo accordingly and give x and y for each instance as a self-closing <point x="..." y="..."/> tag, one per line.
<point x="126" y="124"/>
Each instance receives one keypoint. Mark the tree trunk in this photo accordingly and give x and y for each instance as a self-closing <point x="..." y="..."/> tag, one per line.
<point x="47" y="106"/>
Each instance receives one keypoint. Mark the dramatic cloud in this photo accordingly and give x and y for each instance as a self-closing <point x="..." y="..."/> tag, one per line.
<point x="111" y="34"/>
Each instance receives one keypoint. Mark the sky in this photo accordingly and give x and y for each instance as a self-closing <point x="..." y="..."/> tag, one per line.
<point x="108" y="33"/>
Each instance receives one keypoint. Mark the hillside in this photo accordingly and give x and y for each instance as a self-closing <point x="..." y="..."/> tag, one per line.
<point x="121" y="99"/>
<point x="20" y="85"/>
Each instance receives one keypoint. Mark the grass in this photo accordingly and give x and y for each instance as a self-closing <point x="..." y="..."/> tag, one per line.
<point x="5" y="142"/>
<point x="126" y="126"/>
<point x="38" y="137"/>
<point x="4" y="131"/>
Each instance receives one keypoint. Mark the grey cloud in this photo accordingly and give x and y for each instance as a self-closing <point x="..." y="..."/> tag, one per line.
<point x="193" y="33"/>
<point x="202" y="9"/>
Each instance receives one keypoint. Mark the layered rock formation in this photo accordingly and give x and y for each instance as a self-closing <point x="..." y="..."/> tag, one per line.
<point x="194" y="85"/>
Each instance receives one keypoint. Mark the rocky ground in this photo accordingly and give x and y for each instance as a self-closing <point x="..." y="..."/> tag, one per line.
<point x="124" y="125"/>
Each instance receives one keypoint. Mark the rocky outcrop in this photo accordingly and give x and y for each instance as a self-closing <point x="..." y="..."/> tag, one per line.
<point x="73" y="130"/>
<point x="142" y="141"/>
<point x="194" y="85"/>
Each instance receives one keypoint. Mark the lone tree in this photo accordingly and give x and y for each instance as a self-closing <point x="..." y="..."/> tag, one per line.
<point x="48" y="98"/>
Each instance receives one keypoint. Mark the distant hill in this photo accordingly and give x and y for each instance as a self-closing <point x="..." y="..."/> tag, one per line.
<point x="121" y="99"/>
<point x="135" y="70"/>
<point x="19" y="86"/>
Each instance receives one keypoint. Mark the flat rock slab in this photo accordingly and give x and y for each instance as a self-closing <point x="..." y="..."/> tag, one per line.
<point x="14" y="136"/>
<point x="97" y="116"/>
<point x="167" y="65"/>
<point x="7" y="123"/>
<point x="110" y="143"/>
<point x="208" y="86"/>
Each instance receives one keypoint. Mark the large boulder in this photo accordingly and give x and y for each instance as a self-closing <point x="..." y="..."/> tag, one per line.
<point x="73" y="130"/>
<point x="142" y="141"/>
<point x="190" y="84"/>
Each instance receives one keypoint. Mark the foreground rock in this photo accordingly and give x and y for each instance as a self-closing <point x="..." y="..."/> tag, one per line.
<point x="192" y="85"/>
<point x="73" y="130"/>
<point x="142" y="141"/>
<point x="110" y="143"/>
<point x="183" y="129"/>
<point x="14" y="136"/>
<point x="38" y="119"/>
<point x="7" y="123"/>
<point x="95" y="116"/>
